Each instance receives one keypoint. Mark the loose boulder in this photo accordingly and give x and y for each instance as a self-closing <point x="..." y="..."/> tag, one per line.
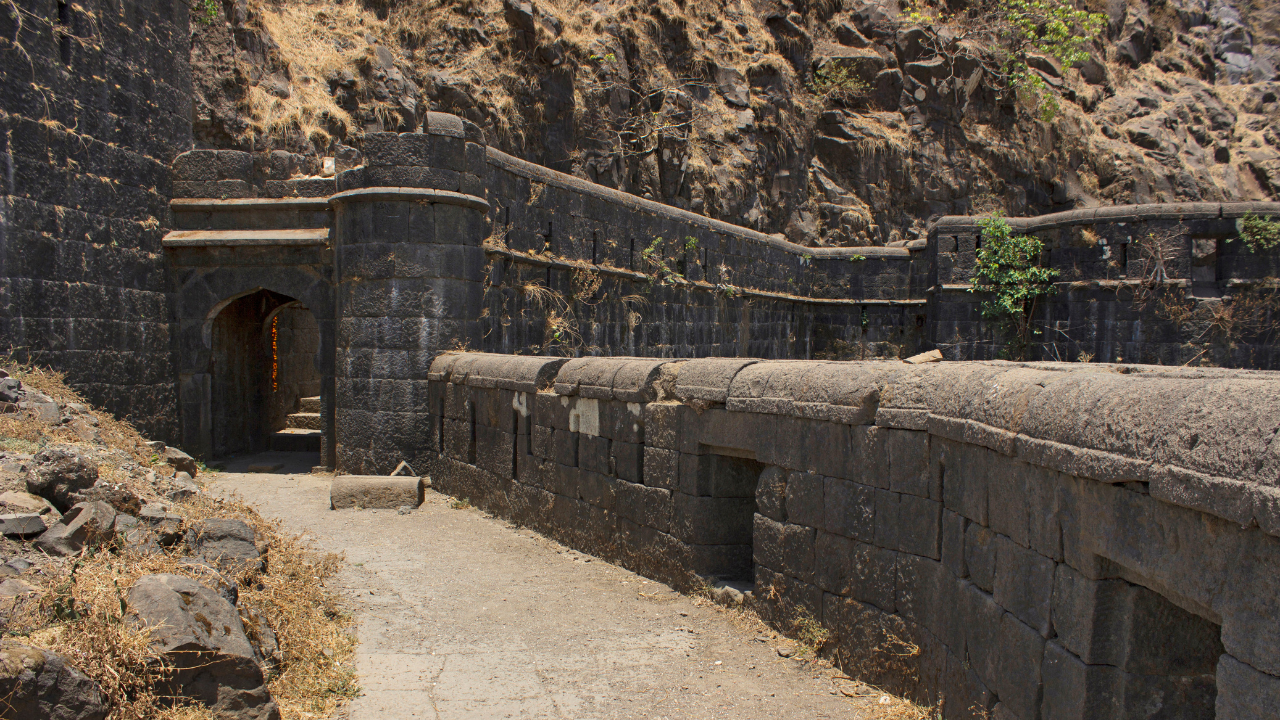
<point x="228" y="544"/>
<point x="84" y="523"/>
<point x="166" y="526"/>
<point x="179" y="461"/>
<point x="19" y="503"/>
<point x="39" y="684"/>
<point x="21" y="525"/>
<point x="202" y="637"/>
<point x="61" y="471"/>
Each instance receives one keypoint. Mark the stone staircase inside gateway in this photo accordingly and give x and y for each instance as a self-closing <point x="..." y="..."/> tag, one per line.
<point x="302" y="431"/>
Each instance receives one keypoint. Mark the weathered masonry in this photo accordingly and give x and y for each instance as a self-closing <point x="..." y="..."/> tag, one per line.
<point x="1035" y="540"/>
<point x="439" y="242"/>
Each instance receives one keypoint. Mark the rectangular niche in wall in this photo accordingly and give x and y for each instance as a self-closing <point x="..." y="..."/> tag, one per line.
<point x="717" y="519"/>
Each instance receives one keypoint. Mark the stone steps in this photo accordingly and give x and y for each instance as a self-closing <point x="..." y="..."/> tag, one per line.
<point x="296" y="440"/>
<point x="303" y="421"/>
<point x="309" y="404"/>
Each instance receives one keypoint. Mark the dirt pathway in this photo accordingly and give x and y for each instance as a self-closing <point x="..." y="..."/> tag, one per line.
<point x="462" y="615"/>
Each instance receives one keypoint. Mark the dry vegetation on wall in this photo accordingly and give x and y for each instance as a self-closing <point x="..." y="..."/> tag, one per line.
<point x="842" y="122"/>
<point x="78" y="608"/>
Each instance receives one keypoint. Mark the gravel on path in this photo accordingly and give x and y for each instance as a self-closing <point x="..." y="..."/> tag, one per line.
<point x="463" y="615"/>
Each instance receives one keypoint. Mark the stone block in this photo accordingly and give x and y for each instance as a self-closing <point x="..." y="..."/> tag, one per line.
<point x="872" y="576"/>
<point x="848" y="509"/>
<point x="662" y="425"/>
<point x="1090" y="616"/>
<point x="540" y="442"/>
<point x="766" y="542"/>
<point x="695" y="474"/>
<point x="982" y="633"/>
<point x="1074" y="690"/>
<point x="771" y="494"/>
<point x="551" y="410"/>
<point x="909" y="464"/>
<point x="84" y="524"/>
<point x="918" y="590"/>
<point x="1007" y="499"/>
<point x="1024" y="584"/>
<point x="374" y="492"/>
<point x="661" y="467"/>
<point x="1245" y="693"/>
<point x="457" y="440"/>
<point x="953" y="529"/>
<point x="804" y="499"/>
<point x="832" y="563"/>
<point x="870" y="447"/>
<point x="564" y="447"/>
<point x="980" y="556"/>
<point x="962" y="474"/>
<point x="1018" y="679"/>
<point x="601" y="491"/>
<point x="887" y="525"/>
<point x="627" y="461"/>
<point x="495" y="451"/>
<point x="593" y="454"/>
<point x="21" y="524"/>
<point x="919" y="526"/>
<point x="648" y="506"/>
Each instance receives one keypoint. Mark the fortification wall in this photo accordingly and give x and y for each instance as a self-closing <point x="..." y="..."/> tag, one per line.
<point x="696" y="287"/>
<point x="1035" y="540"/>
<point x="1136" y="283"/>
<point x="94" y="105"/>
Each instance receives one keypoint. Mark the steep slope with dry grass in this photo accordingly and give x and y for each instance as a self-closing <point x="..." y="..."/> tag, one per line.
<point x="842" y="122"/>
<point x="76" y="606"/>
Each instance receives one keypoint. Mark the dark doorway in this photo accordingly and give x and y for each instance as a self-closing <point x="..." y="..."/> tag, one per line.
<point x="264" y="382"/>
<point x="728" y="483"/>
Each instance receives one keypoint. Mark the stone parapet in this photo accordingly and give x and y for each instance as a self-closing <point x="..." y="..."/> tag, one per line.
<point x="1026" y="540"/>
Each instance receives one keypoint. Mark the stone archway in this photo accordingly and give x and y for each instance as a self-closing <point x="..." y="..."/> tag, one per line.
<point x="262" y="369"/>
<point x="225" y="318"/>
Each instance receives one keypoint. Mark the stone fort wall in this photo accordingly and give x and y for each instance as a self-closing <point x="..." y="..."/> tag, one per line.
<point x="1029" y="540"/>
<point x="94" y="105"/>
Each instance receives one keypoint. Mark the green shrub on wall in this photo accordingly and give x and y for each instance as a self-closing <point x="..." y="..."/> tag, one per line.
<point x="1008" y="268"/>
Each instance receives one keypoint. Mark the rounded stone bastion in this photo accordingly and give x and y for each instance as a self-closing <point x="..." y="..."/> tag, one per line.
<point x="408" y="227"/>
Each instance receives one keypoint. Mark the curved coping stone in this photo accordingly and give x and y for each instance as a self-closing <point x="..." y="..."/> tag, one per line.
<point x="708" y="379"/>
<point x="521" y="373"/>
<point x="626" y="379"/>
<point x="1114" y="214"/>
<point x="247" y="204"/>
<point x="811" y="389"/>
<point x="1201" y="439"/>
<point x="246" y="238"/>
<point x="438" y="123"/>
<point x="403" y="194"/>
<point x="569" y="182"/>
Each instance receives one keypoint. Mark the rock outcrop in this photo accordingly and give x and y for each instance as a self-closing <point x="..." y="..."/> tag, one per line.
<point x="84" y="524"/>
<point x="61" y="472"/>
<point x="201" y="634"/>
<point x="836" y="124"/>
<point x="39" y="684"/>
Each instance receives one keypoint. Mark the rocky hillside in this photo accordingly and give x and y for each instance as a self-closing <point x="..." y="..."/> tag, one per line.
<point x="836" y="122"/>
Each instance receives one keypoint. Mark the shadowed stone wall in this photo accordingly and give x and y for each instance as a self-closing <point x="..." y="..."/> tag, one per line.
<point x="94" y="105"/>
<point x="1033" y="540"/>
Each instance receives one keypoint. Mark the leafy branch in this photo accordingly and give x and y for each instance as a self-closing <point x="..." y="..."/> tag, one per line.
<point x="1008" y="268"/>
<point x="1258" y="233"/>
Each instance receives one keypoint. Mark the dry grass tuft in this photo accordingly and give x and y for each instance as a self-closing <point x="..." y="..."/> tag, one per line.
<point x="117" y="434"/>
